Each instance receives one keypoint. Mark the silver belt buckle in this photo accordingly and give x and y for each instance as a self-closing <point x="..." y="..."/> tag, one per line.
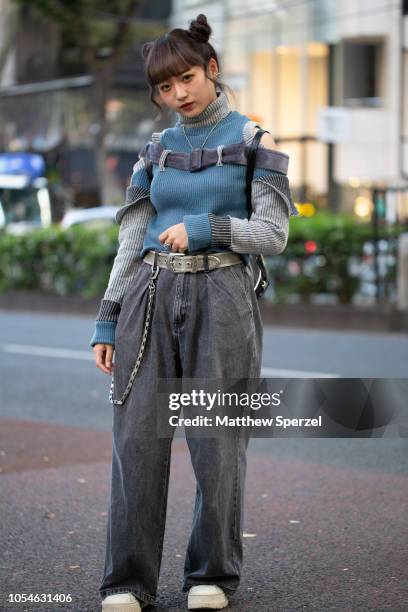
<point x="173" y="260"/>
<point x="190" y="263"/>
<point x="216" y="261"/>
<point x="185" y="260"/>
<point x="194" y="263"/>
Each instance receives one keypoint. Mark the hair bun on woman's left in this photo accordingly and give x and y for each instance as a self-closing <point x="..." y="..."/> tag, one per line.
<point x="199" y="28"/>
<point x="146" y="47"/>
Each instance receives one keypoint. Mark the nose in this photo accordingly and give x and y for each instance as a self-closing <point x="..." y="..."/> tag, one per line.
<point x="180" y="93"/>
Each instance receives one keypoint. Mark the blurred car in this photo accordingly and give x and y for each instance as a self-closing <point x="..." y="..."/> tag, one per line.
<point x="25" y="199"/>
<point x="93" y="218"/>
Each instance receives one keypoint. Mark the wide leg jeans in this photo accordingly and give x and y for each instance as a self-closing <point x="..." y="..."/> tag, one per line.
<point x="203" y="325"/>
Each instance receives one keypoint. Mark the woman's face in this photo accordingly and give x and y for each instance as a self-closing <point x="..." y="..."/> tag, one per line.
<point x="192" y="86"/>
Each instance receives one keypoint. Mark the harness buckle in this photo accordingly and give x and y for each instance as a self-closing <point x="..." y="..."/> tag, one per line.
<point x="195" y="160"/>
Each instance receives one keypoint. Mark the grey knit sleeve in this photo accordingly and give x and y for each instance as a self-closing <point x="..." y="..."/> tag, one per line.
<point x="133" y="218"/>
<point x="266" y="231"/>
<point x="127" y="261"/>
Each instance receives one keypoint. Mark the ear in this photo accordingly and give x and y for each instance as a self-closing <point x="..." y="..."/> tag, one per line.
<point x="267" y="140"/>
<point x="212" y="65"/>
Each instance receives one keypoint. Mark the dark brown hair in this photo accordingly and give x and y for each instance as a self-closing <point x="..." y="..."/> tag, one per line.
<point x="177" y="51"/>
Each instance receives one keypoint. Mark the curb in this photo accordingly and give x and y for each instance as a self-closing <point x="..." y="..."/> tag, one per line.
<point x="384" y="317"/>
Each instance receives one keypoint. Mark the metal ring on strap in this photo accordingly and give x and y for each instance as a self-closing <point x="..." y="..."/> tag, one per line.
<point x="219" y="151"/>
<point x="162" y="159"/>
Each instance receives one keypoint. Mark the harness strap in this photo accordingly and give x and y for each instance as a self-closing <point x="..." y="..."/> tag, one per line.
<point x="199" y="159"/>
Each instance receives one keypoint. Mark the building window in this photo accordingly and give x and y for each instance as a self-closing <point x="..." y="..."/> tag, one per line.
<point x="362" y="62"/>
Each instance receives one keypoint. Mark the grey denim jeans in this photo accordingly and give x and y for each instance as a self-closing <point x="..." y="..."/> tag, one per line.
<point x="204" y="325"/>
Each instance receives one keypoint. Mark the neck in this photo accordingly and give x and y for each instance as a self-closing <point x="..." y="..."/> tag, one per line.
<point x="213" y="112"/>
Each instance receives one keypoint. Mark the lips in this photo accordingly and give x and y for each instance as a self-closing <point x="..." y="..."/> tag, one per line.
<point x="187" y="106"/>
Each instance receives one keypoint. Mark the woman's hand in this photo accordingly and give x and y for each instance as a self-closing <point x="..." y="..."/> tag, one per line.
<point x="177" y="237"/>
<point x="103" y="357"/>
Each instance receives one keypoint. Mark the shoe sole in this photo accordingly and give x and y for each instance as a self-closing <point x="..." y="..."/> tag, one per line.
<point x="120" y="607"/>
<point x="206" y="602"/>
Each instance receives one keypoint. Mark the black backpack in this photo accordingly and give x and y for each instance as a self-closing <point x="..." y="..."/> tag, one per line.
<point x="256" y="262"/>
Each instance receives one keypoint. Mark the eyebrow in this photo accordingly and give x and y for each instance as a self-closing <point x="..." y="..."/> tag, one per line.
<point x="182" y="74"/>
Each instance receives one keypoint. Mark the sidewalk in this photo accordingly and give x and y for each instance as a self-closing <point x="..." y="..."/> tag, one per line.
<point x="317" y="537"/>
<point x="312" y="316"/>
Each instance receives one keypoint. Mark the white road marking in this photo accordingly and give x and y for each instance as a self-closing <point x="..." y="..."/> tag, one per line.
<point x="280" y="373"/>
<point x="47" y="351"/>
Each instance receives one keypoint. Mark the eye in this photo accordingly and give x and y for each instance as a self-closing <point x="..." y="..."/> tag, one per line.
<point x="188" y="76"/>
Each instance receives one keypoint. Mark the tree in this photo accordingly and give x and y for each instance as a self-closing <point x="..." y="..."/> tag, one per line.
<point x="103" y="31"/>
<point x="9" y="34"/>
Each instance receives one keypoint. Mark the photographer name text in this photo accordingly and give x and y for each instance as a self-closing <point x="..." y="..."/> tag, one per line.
<point x="245" y="421"/>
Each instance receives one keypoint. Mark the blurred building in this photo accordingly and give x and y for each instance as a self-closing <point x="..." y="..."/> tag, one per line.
<point x="46" y="103"/>
<point x="329" y="79"/>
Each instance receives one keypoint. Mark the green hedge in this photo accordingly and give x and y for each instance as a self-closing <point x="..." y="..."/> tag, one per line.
<point x="79" y="260"/>
<point x="72" y="261"/>
<point x="339" y="239"/>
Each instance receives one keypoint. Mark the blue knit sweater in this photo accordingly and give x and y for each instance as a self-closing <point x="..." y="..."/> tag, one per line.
<point x="211" y="203"/>
<point x="181" y="197"/>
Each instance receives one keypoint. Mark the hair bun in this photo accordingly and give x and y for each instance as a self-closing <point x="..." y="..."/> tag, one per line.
<point x="146" y="48"/>
<point x="199" y="28"/>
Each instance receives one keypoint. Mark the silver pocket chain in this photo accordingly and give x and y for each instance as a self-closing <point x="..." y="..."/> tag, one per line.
<point x="152" y="289"/>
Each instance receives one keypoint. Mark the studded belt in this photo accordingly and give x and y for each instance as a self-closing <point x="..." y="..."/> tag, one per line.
<point x="179" y="262"/>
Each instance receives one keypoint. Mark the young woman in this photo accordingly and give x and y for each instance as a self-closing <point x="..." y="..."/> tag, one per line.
<point x="184" y="240"/>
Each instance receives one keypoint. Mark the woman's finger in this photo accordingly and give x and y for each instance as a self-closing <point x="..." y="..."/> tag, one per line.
<point x="163" y="237"/>
<point x="109" y="357"/>
<point x="100" y="351"/>
<point x="100" y="359"/>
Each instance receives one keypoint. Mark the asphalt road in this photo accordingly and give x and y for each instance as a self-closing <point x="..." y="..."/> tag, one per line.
<point x="325" y="520"/>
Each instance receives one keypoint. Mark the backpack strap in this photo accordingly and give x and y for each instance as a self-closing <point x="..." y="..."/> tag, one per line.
<point x="149" y="169"/>
<point x="144" y="153"/>
<point x="259" y="269"/>
<point x="251" y="159"/>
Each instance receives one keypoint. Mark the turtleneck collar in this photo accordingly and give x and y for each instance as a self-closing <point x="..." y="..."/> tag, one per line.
<point x="213" y="112"/>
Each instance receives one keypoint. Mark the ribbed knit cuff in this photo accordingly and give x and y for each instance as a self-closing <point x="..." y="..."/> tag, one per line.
<point x="220" y="230"/>
<point x="108" y="311"/>
<point x="104" y="333"/>
<point x="198" y="229"/>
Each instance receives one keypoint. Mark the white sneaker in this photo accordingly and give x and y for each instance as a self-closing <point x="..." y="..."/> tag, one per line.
<point x="121" y="602"/>
<point x="207" y="596"/>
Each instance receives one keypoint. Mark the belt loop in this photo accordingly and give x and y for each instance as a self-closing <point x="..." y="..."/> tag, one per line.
<point x="155" y="263"/>
<point x="205" y="257"/>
